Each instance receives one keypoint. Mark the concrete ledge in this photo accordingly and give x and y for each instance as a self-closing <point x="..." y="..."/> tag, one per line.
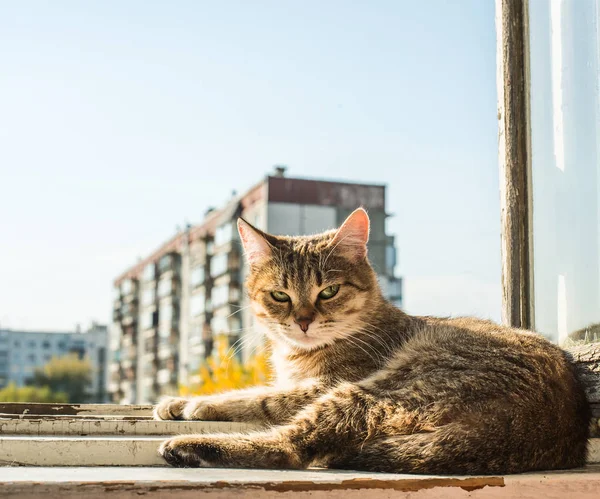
<point x="315" y="484"/>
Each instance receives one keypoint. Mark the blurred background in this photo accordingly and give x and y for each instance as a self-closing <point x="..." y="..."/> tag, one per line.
<point x="132" y="134"/>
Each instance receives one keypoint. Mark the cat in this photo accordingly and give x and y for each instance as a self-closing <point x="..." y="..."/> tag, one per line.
<point x="362" y="385"/>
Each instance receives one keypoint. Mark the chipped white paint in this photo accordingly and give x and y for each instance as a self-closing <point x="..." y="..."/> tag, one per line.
<point x="80" y="451"/>
<point x="76" y="409"/>
<point x="81" y="427"/>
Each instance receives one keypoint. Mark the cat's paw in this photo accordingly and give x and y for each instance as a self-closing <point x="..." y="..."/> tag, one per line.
<point x="170" y="408"/>
<point x="202" y="409"/>
<point x="196" y="409"/>
<point x="191" y="452"/>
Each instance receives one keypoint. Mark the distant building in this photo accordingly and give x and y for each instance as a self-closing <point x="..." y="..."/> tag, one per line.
<point x="169" y="307"/>
<point x="22" y="352"/>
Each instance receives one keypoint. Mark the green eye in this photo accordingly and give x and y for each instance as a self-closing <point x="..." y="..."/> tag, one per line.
<point x="280" y="296"/>
<point x="329" y="292"/>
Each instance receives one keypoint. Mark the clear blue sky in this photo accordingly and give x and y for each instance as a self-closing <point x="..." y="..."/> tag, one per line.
<point x="120" y="120"/>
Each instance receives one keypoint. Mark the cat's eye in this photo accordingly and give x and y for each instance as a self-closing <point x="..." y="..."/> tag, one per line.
<point x="280" y="296"/>
<point x="329" y="292"/>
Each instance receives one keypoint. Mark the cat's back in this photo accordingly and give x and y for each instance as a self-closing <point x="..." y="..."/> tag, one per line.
<point x="466" y="343"/>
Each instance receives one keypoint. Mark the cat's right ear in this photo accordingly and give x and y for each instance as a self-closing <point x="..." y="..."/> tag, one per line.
<point x="256" y="248"/>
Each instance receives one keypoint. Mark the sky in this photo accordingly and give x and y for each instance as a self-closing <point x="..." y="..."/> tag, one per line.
<point x="120" y="121"/>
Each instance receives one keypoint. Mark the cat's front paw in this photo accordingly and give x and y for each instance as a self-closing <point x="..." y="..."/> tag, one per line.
<point x="202" y="409"/>
<point x="170" y="408"/>
<point x="191" y="452"/>
<point x="196" y="409"/>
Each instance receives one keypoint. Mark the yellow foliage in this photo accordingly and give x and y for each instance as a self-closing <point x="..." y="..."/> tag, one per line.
<point x="223" y="372"/>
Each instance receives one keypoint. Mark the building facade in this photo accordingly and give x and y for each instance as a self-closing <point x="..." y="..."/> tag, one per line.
<point x="170" y="306"/>
<point x="22" y="352"/>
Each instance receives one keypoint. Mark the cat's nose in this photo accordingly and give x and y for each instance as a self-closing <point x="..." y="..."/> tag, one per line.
<point x="304" y="322"/>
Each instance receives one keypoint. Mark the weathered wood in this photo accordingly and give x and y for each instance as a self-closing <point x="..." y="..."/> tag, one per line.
<point x="80" y="451"/>
<point x="131" y="427"/>
<point x="512" y="80"/>
<point x="79" y="417"/>
<point x="587" y="360"/>
<point x="76" y="409"/>
<point x="108" y="451"/>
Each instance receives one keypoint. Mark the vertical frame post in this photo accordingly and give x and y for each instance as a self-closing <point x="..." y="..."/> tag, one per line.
<point x="512" y="41"/>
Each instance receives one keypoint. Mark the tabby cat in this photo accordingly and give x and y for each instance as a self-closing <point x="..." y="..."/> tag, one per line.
<point x="361" y="385"/>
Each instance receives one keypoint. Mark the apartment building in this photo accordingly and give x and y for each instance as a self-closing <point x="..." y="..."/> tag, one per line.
<point x="169" y="307"/>
<point x="22" y="352"/>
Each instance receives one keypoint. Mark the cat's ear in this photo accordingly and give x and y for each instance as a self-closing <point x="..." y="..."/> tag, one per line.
<point x="351" y="238"/>
<point x="256" y="247"/>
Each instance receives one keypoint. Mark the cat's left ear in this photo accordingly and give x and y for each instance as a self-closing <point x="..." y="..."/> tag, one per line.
<point x="351" y="238"/>
<point x="256" y="246"/>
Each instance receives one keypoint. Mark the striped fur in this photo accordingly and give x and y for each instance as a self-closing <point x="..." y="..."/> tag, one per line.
<point x="368" y="387"/>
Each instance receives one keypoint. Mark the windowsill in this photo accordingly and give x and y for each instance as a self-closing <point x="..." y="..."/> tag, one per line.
<point x="181" y="483"/>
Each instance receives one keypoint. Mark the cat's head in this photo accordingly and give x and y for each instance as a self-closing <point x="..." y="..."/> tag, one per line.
<point x="311" y="291"/>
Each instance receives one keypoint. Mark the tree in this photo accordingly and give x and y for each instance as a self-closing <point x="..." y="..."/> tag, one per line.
<point x="13" y="393"/>
<point x="69" y="375"/>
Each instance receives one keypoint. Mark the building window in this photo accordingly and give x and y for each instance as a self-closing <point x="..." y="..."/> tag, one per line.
<point x="46" y="345"/>
<point x="219" y="325"/>
<point x="223" y="234"/>
<point x="164" y="332"/>
<point x="127" y="286"/>
<point x="164" y="263"/>
<point x="220" y="295"/>
<point x="146" y="321"/>
<point x="31" y="358"/>
<point x="219" y="264"/>
<point x="197" y="277"/>
<point x="166" y="313"/>
<point x="148" y="296"/>
<point x="32" y="344"/>
<point x="17" y="344"/>
<point x="149" y="272"/>
<point x="197" y="304"/>
<point x="165" y="287"/>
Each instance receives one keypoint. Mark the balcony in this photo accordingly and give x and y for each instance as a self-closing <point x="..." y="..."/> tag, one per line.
<point x="116" y="378"/>
<point x="113" y="387"/>
<point x="149" y="333"/>
<point x="167" y="351"/>
<point x="128" y="287"/>
<point x="150" y="344"/>
<point x="148" y="359"/>
<point x="169" y="263"/>
<point x="168" y="287"/>
<point x="165" y="377"/>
